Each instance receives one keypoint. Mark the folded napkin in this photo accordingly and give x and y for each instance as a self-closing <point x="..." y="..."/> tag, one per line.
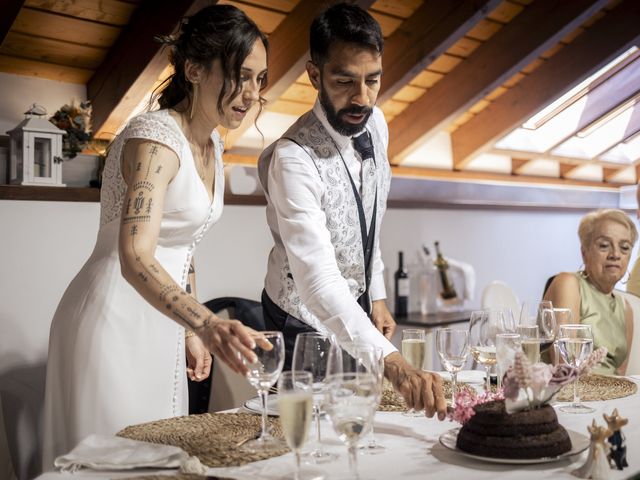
<point x="108" y="452"/>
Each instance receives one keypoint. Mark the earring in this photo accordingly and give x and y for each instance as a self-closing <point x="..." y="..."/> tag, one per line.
<point x="194" y="100"/>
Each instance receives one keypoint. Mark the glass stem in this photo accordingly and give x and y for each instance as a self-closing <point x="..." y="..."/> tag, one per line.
<point x="263" y="399"/>
<point x="296" y="475"/>
<point x="353" y="461"/>
<point x="454" y="386"/>
<point x="316" y="411"/>
<point x="576" y="398"/>
<point x="372" y="439"/>
<point x="487" y="386"/>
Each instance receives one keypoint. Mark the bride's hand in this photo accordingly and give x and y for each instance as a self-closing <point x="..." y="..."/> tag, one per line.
<point x="230" y="340"/>
<point x="198" y="359"/>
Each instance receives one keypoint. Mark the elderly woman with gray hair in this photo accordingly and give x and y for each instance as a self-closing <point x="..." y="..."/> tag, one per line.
<point x="606" y="240"/>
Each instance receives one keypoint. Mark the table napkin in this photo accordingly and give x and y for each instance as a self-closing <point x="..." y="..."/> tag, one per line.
<point x="108" y="452"/>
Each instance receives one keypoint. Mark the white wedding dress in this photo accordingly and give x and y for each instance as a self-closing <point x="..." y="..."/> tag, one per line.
<point x="114" y="360"/>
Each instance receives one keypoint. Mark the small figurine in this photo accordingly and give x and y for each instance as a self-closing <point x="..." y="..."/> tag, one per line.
<point x="597" y="465"/>
<point x="618" y="452"/>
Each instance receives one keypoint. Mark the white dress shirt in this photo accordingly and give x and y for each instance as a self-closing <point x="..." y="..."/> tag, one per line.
<point x="295" y="192"/>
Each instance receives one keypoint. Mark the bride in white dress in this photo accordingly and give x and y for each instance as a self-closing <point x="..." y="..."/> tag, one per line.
<point x="117" y="342"/>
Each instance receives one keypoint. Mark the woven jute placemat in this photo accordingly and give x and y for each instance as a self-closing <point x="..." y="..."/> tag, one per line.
<point x="212" y="437"/>
<point x="598" y="387"/>
<point x="392" y="401"/>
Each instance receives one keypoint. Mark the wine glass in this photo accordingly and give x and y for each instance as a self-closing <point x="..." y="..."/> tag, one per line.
<point x="351" y="403"/>
<point x="575" y="343"/>
<point x="369" y="359"/>
<point x="452" y="346"/>
<point x="295" y="405"/>
<point x="507" y="345"/>
<point x="414" y="347"/>
<point x="482" y="342"/>
<point x="262" y="374"/>
<point x="311" y="354"/>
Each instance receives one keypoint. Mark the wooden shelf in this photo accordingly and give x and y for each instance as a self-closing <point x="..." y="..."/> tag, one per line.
<point x="86" y="194"/>
<point x="53" y="194"/>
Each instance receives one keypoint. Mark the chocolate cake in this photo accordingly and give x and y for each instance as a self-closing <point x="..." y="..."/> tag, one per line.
<point x="528" y="434"/>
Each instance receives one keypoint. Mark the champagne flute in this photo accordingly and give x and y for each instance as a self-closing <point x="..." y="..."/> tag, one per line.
<point x="351" y="403"/>
<point x="414" y="348"/>
<point x="452" y="346"/>
<point x="530" y="342"/>
<point x="263" y="373"/>
<point x="575" y="343"/>
<point x="483" y="348"/>
<point x="295" y="404"/>
<point x="311" y="353"/>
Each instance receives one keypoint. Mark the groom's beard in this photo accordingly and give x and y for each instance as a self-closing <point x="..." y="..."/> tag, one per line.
<point x="335" y="117"/>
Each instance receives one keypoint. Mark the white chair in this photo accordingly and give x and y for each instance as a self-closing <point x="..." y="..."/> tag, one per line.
<point x="228" y="389"/>
<point x="499" y="295"/>
<point x="633" y="367"/>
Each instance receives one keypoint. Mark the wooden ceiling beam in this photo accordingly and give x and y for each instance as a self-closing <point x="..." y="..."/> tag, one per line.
<point x="536" y="29"/>
<point x="597" y="46"/>
<point x="608" y="174"/>
<point x="10" y="10"/>
<point x="134" y="63"/>
<point x="468" y="175"/>
<point x="432" y="29"/>
<point x="567" y="168"/>
<point x="288" y="55"/>
<point x="517" y="164"/>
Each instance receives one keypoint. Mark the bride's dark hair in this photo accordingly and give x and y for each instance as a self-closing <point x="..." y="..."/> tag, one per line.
<point x="217" y="32"/>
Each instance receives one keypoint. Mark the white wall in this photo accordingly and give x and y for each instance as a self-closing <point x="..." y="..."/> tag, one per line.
<point x="43" y="244"/>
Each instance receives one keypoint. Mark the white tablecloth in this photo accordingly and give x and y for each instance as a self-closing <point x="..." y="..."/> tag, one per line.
<point x="414" y="452"/>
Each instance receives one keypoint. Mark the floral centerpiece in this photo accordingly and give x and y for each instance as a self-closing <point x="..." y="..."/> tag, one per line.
<point x="75" y="119"/>
<point x="525" y="386"/>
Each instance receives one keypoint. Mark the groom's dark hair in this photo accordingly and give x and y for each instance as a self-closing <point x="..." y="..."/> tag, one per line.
<point x="347" y="23"/>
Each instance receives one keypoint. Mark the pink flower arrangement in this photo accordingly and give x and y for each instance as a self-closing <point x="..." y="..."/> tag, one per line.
<point x="463" y="410"/>
<point x="530" y="386"/>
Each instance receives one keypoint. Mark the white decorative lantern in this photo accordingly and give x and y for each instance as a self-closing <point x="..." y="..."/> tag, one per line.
<point x="36" y="151"/>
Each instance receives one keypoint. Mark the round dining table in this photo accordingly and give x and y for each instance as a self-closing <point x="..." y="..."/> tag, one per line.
<point x="413" y="451"/>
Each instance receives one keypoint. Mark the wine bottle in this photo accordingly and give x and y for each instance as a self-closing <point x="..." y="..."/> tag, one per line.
<point x="401" y="278"/>
<point x="448" y="292"/>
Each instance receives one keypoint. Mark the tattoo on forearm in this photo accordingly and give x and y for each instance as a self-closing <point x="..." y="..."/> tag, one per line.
<point x="137" y="218"/>
<point x="143" y="185"/>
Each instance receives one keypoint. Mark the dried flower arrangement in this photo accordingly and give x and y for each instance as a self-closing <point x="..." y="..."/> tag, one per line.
<point x="75" y="119"/>
<point x="525" y="386"/>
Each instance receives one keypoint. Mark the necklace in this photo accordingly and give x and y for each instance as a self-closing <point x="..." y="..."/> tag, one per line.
<point x="201" y="157"/>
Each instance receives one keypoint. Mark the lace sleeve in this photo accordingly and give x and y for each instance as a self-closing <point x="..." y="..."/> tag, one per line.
<point x="150" y="126"/>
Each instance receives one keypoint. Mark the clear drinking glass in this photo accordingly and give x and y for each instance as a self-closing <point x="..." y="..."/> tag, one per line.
<point x="414" y="348"/>
<point x="351" y="403"/>
<point x="482" y="342"/>
<point x="575" y="342"/>
<point x="452" y="346"/>
<point x="263" y="373"/>
<point x="311" y="354"/>
<point x="507" y="344"/>
<point x="295" y="405"/>
<point x="369" y="359"/>
<point x="530" y="342"/>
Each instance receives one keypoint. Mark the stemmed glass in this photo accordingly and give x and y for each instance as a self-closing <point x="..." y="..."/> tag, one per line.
<point x="545" y="319"/>
<point x="575" y="343"/>
<point x="295" y="404"/>
<point x="482" y="342"/>
<point x="369" y="359"/>
<point x="311" y="354"/>
<point x="414" y="348"/>
<point x="351" y="403"/>
<point x="507" y="345"/>
<point x="452" y="346"/>
<point x="263" y="373"/>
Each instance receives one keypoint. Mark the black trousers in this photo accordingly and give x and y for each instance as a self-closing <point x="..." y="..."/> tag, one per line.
<point x="277" y="319"/>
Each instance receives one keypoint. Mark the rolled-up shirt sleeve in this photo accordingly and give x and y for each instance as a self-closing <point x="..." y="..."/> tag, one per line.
<point x="295" y="191"/>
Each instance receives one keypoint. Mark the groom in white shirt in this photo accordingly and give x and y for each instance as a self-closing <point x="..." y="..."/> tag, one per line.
<point x="326" y="182"/>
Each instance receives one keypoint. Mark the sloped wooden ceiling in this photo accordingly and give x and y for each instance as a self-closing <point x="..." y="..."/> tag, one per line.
<point x="462" y="74"/>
